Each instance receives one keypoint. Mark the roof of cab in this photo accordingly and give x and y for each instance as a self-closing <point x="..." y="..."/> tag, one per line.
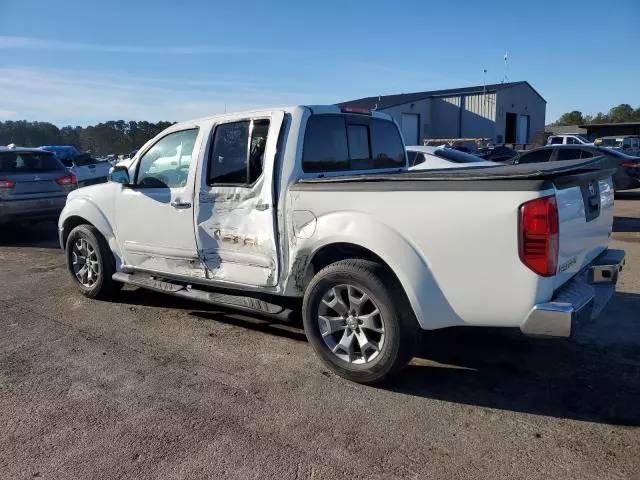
<point x="315" y="109"/>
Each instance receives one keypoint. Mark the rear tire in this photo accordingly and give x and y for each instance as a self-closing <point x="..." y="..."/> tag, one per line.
<point x="359" y="321"/>
<point x="90" y="262"/>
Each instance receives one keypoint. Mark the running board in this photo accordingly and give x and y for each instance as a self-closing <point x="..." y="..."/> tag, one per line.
<point x="239" y="302"/>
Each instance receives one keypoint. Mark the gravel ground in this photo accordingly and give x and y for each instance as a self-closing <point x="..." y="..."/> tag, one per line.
<point x="153" y="387"/>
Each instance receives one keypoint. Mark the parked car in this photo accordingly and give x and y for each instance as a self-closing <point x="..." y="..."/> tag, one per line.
<point x="568" y="139"/>
<point x="629" y="144"/>
<point x="627" y="167"/>
<point x="87" y="170"/>
<point x="61" y="151"/>
<point x="497" y="153"/>
<point x="308" y="207"/>
<point x="33" y="185"/>
<point x="427" y="158"/>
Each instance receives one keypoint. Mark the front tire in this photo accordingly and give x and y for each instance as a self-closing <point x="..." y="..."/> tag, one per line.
<point x="359" y="322"/>
<point x="90" y="262"/>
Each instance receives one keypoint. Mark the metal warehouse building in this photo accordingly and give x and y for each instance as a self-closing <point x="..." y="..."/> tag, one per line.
<point x="504" y="112"/>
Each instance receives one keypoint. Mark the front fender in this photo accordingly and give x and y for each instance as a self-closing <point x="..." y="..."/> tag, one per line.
<point x="85" y="208"/>
<point x="431" y="308"/>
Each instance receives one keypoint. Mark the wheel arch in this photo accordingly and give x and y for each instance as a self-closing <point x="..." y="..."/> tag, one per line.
<point x="354" y="235"/>
<point x="69" y="224"/>
<point x="82" y="211"/>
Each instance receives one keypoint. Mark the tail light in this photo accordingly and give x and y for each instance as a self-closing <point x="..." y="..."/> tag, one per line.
<point x="67" y="181"/>
<point x="539" y="235"/>
<point x="7" y="184"/>
<point x="630" y="164"/>
<point x="359" y="110"/>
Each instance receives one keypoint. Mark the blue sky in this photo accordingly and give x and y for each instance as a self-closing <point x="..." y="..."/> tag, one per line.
<point x="79" y="62"/>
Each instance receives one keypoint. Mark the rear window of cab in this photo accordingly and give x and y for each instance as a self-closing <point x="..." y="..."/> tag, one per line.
<point x="338" y="143"/>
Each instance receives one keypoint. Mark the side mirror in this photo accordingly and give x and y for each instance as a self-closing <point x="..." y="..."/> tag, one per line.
<point x="120" y="174"/>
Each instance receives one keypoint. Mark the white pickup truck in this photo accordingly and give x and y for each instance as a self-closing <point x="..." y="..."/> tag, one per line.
<point x="311" y="208"/>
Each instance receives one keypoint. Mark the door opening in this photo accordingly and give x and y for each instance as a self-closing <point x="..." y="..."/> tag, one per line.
<point x="510" y="128"/>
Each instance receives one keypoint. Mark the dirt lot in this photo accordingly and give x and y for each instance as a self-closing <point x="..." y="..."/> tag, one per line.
<point x="154" y="387"/>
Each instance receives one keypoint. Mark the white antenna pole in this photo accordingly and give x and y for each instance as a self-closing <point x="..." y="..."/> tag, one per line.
<point x="484" y="82"/>
<point x="504" y="79"/>
<point x="484" y="86"/>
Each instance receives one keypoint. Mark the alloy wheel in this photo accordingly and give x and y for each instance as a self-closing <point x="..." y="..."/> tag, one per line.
<point x="85" y="263"/>
<point x="351" y="324"/>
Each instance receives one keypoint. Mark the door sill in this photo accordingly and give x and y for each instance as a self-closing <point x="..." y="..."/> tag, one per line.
<point x="279" y="308"/>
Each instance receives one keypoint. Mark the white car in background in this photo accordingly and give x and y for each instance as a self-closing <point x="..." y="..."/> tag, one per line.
<point x="432" y="158"/>
<point x="568" y="139"/>
<point x="88" y="170"/>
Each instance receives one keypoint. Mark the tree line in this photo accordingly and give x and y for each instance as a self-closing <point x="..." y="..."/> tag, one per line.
<point x="622" y="113"/>
<point x="112" y="137"/>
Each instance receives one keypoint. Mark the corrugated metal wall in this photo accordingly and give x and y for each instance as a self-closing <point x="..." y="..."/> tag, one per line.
<point x="452" y="100"/>
<point x="478" y="116"/>
<point x="482" y="105"/>
<point x="445" y="117"/>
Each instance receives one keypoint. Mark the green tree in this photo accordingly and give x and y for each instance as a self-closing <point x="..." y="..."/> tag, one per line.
<point x="571" y="118"/>
<point x="70" y="136"/>
<point x="601" y="118"/>
<point x="621" y="113"/>
<point x="115" y="136"/>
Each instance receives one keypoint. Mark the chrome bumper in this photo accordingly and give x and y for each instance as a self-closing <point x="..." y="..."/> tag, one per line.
<point x="579" y="300"/>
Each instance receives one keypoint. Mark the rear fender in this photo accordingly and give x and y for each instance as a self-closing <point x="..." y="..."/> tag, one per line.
<point x="430" y="307"/>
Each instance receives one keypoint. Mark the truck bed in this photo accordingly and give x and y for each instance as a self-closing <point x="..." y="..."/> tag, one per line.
<point x="463" y="226"/>
<point x="534" y="176"/>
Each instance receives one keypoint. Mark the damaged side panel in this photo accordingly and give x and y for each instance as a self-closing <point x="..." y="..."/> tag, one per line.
<point x="164" y="259"/>
<point x="236" y="240"/>
<point x="235" y="224"/>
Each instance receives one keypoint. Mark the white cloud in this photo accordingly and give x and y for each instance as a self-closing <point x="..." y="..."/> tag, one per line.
<point x="32" y="43"/>
<point x="79" y="98"/>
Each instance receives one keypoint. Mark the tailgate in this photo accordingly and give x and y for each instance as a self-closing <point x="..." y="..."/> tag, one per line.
<point x="585" y="209"/>
<point x="89" y="172"/>
<point x="90" y="169"/>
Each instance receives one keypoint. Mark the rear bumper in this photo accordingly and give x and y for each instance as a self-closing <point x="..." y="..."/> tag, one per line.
<point x="31" y="210"/>
<point x="579" y="300"/>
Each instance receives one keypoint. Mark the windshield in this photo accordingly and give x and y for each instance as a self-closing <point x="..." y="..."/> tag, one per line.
<point x="456" y="155"/>
<point x="610" y="142"/>
<point x="28" y="162"/>
<point x="583" y="139"/>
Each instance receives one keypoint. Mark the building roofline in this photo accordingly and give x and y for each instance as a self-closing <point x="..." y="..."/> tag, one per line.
<point x="616" y="124"/>
<point x="403" y="98"/>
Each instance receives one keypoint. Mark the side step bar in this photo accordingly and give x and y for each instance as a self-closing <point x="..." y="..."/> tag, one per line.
<point x="239" y="302"/>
